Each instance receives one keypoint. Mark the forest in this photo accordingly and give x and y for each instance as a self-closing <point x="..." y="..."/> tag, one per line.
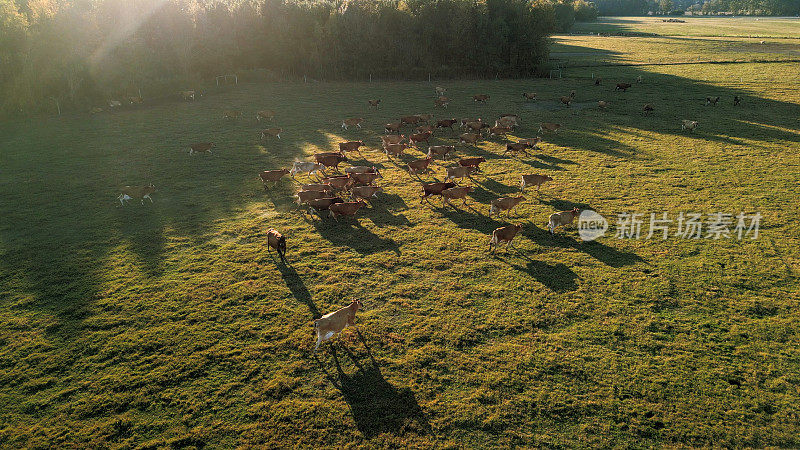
<point x="78" y="54"/>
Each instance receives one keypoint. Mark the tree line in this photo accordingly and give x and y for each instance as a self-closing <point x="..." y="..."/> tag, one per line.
<point x="738" y="7"/>
<point x="82" y="53"/>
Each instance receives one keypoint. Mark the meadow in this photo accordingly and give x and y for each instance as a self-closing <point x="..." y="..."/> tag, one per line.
<point x="170" y="325"/>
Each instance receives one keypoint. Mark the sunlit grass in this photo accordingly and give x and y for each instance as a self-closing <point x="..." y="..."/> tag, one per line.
<point x="171" y="324"/>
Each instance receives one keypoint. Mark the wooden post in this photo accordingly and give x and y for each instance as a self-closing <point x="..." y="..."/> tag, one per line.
<point x="429" y="77"/>
<point x="370" y="78"/>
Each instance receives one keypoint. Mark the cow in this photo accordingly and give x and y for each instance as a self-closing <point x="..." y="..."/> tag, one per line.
<point x="454" y="193"/>
<point x="333" y="323"/>
<point x="348" y="209"/>
<point x="533" y="180"/>
<point x="480" y="98"/>
<point x="277" y="241"/>
<point x="441" y="150"/>
<point x="272" y="176"/>
<point x="419" y="165"/>
<point x="472" y="162"/>
<point x="330" y="160"/>
<point x="352" y="122"/>
<point x="504" y="204"/>
<point x="265" y="114"/>
<point x="561" y="218"/>
<point x="274" y="132"/>
<point x="201" y="147"/>
<point x="136" y="192"/>
<point x="429" y="189"/>
<point x="622" y="87"/>
<point x="374" y="103"/>
<point x="504" y="234"/>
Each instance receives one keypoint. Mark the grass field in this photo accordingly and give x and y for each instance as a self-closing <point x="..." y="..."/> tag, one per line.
<point x="170" y="325"/>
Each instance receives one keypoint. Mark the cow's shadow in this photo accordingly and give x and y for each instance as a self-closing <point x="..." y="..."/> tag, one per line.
<point x="376" y="405"/>
<point x="297" y="287"/>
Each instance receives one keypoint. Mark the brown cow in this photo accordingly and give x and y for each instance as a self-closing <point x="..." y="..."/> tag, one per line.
<point x="441" y="102"/>
<point x="472" y="162"/>
<point x="274" y="132"/>
<point x="306" y="196"/>
<point x="350" y="146"/>
<point x="622" y="87"/>
<point x="419" y="165"/>
<point x="231" y="114"/>
<point x="429" y="189"/>
<point x="393" y="127"/>
<point x="446" y="123"/>
<point x="441" y="150"/>
<point x="337" y="182"/>
<point x="425" y="128"/>
<point x="459" y="172"/>
<point x="277" y="241"/>
<point x="323" y="204"/>
<point x="365" y="192"/>
<point x="345" y="209"/>
<point x="272" y="176"/>
<point x="504" y="234"/>
<point x="352" y="122"/>
<point x="529" y="95"/>
<point x="469" y="138"/>
<point x="419" y="137"/>
<point x="265" y="114"/>
<point x="374" y="103"/>
<point x="330" y="160"/>
<point x="410" y="120"/>
<point x="456" y="193"/>
<point x="392" y="139"/>
<point x="364" y="179"/>
<point x="504" y="204"/>
<point x="549" y="127"/>
<point x="517" y="147"/>
<point x="533" y="180"/>
<point x="394" y="149"/>
<point x="201" y="147"/>
<point x="480" y="97"/>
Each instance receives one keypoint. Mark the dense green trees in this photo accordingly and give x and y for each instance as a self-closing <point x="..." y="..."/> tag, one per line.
<point x="84" y="52"/>
<point x="739" y="7"/>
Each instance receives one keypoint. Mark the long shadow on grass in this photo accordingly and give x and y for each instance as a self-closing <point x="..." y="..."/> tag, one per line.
<point x="298" y="288"/>
<point x="557" y="277"/>
<point x="350" y="233"/>
<point x="606" y="254"/>
<point x="377" y="406"/>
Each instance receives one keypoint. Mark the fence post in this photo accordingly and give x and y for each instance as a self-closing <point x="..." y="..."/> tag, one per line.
<point x="429" y="77"/>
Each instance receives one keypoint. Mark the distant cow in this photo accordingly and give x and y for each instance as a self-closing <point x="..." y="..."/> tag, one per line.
<point x="273" y="132"/>
<point x="562" y="218"/>
<point x="348" y="209"/>
<point x="350" y="146"/>
<point x="306" y="167"/>
<point x="689" y="125"/>
<point x="330" y="160"/>
<point x="393" y="127"/>
<point x="414" y="139"/>
<point x="622" y="87"/>
<point x="469" y="138"/>
<point x="459" y="172"/>
<point x="201" y="147"/>
<point x="455" y="193"/>
<point x="472" y="162"/>
<point x="352" y="122"/>
<point x="231" y="114"/>
<point x="529" y="95"/>
<point x="136" y="192"/>
<point x="394" y="149"/>
<point x="272" y="176"/>
<point x="517" y="147"/>
<point x="429" y="189"/>
<point x="505" y="204"/>
<point x="446" y="123"/>
<point x="533" y="180"/>
<point x="712" y="101"/>
<point x="549" y="127"/>
<point x="265" y="114"/>
<point x="480" y="98"/>
<point x="441" y="102"/>
<point x="440" y="150"/>
<point x="374" y="103"/>
<point x="419" y="165"/>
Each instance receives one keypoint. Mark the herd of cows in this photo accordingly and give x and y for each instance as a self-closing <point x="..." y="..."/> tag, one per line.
<point x="342" y="193"/>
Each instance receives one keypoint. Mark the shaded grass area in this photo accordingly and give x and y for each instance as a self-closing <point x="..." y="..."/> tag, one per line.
<point x="171" y="324"/>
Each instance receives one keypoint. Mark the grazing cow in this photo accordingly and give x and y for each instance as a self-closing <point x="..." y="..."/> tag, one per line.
<point x="469" y="138"/>
<point x="472" y="162"/>
<point x="504" y="234"/>
<point x="517" y="147"/>
<point x="505" y="204"/>
<point x="323" y="204"/>
<point x="393" y="127"/>
<point x="201" y="147"/>
<point x="345" y="209"/>
<point x="136" y="192"/>
<point x="410" y="120"/>
<point x="364" y="179"/>
<point x="648" y="108"/>
<point x="306" y="167"/>
<point x="459" y="172"/>
<point x="333" y="323"/>
<point x="272" y="176"/>
<point x="597" y="81"/>
<point x="419" y="165"/>
<point x="446" y="123"/>
<point x="231" y="114"/>
<point x="374" y="103"/>
<point x="365" y="192"/>
<point x="187" y="95"/>
<point x="277" y="241"/>
<point x="566" y="100"/>
<point x="330" y="159"/>
<point x="622" y="87"/>
<point x="136" y="100"/>
<point x="114" y="103"/>
<point x="394" y="149"/>
<point x="353" y="122"/>
<point x="318" y="187"/>
<point x="549" y="127"/>
<point x="425" y="128"/>
<point x="306" y="196"/>
<point x="350" y="146"/>
<point x="361" y="169"/>
<point x="736" y="100"/>
<point x="562" y="218"/>
<point x="392" y="139"/>
<point x="602" y="104"/>
<point x="529" y="95"/>
<point x="441" y="102"/>
<point x="712" y="101"/>
<point x="274" y="132"/>
<point x="440" y="91"/>
<point x="499" y="131"/>
<point x="265" y="114"/>
<point x="419" y="137"/>
<point x="533" y="180"/>
<point x="689" y="125"/>
<point x="480" y="98"/>
<point x="338" y="182"/>
<point x="429" y="189"/>
<point x="455" y="193"/>
<point x="441" y="150"/>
